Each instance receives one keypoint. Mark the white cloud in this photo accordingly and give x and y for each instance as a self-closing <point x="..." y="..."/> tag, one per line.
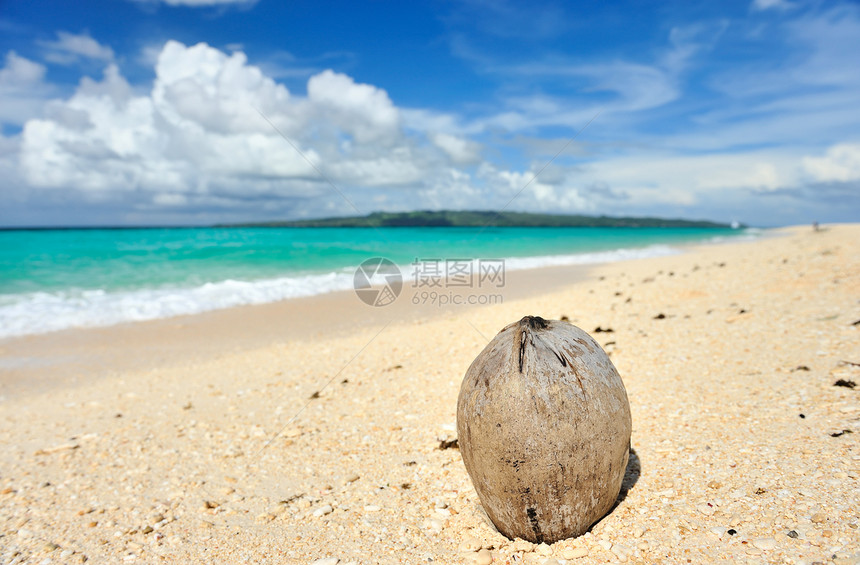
<point x="203" y="89"/>
<point x="816" y="57"/>
<point x="22" y="89"/>
<point x="462" y="151"/>
<point x="689" y="41"/>
<point x="698" y="182"/>
<point x="525" y="191"/>
<point x="423" y="119"/>
<point x="70" y="48"/>
<point x="198" y="124"/>
<point x="361" y="110"/>
<point x="195" y="143"/>
<point x="612" y="87"/>
<point x="20" y="73"/>
<point x="667" y="178"/>
<point x="148" y="55"/>
<point x="840" y="164"/>
<point x="638" y="87"/>
<point x="761" y="5"/>
<point x="198" y="136"/>
<point x="829" y="42"/>
<point x="398" y="169"/>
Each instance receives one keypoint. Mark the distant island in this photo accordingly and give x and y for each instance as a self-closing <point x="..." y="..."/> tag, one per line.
<point x="452" y="218"/>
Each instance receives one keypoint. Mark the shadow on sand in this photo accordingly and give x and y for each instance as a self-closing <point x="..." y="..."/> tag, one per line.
<point x="631" y="477"/>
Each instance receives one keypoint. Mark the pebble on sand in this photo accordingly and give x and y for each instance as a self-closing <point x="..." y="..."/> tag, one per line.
<point x="523" y="545"/>
<point x="470" y="544"/>
<point x="765" y="544"/>
<point x="574" y="552"/>
<point x="706" y="509"/>
<point x="544" y="549"/>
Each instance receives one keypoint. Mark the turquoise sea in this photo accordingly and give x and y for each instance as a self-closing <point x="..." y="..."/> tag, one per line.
<point x="57" y="279"/>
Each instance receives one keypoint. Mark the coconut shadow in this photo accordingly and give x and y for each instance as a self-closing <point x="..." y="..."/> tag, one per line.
<point x="631" y="477"/>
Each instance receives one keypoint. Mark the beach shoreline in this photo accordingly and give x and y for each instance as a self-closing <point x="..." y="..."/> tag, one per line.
<point x="69" y="356"/>
<point x="92" y="282"/>
<point x="327" y="445"/>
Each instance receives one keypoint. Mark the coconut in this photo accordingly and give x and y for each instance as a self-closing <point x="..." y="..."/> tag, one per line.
<point x="544" y="429"/>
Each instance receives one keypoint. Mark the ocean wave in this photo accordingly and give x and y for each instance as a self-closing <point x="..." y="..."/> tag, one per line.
<point x="746" y="234"/>
<point x="611" y="256"/>
<point x="539" y="261"/>
<point x="42" y="312"/>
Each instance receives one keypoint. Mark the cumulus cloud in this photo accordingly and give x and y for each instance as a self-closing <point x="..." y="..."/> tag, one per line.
<point x="360" y="110"/>
<point x="19" y="73"/>
<point x="198" y="145"/>
<point x="204" y="134"/>
<point x="71" y="48"/>
<point x="841" y="163"/>
<point x="709" y="184"/>
<point x="462" y="151"/>
<point x="197" y="128"/>
<point x="670" y="179"/>
<point x="528" y="190"/>
<point x="22" y="89"/>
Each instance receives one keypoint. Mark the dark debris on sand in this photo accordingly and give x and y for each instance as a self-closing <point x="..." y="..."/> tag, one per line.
<point x="449" y="444"/>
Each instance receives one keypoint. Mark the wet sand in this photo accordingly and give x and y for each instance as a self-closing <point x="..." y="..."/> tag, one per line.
<point x="36" y="363"/>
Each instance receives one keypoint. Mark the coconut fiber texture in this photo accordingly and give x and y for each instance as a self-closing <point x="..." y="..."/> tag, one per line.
<point x="544" y="430"/>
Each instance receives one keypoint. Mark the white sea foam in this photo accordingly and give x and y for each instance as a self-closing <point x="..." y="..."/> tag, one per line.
<point x="747" y="234"/>
<point x="42" y="312"/>
<point x="539" y="261"/>
<point x="611" y="256"/>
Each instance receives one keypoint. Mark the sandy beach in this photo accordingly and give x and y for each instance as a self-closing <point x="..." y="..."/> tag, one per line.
<point x="309" y="431"/>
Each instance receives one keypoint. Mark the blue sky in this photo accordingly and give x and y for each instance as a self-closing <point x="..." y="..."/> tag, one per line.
<point x="148" y="112"/>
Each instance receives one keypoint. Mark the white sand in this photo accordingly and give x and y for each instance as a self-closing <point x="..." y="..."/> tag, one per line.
<point x="229" y="459"/>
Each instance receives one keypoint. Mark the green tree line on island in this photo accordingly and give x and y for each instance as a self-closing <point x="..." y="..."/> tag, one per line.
<point x="454" y="218"/>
